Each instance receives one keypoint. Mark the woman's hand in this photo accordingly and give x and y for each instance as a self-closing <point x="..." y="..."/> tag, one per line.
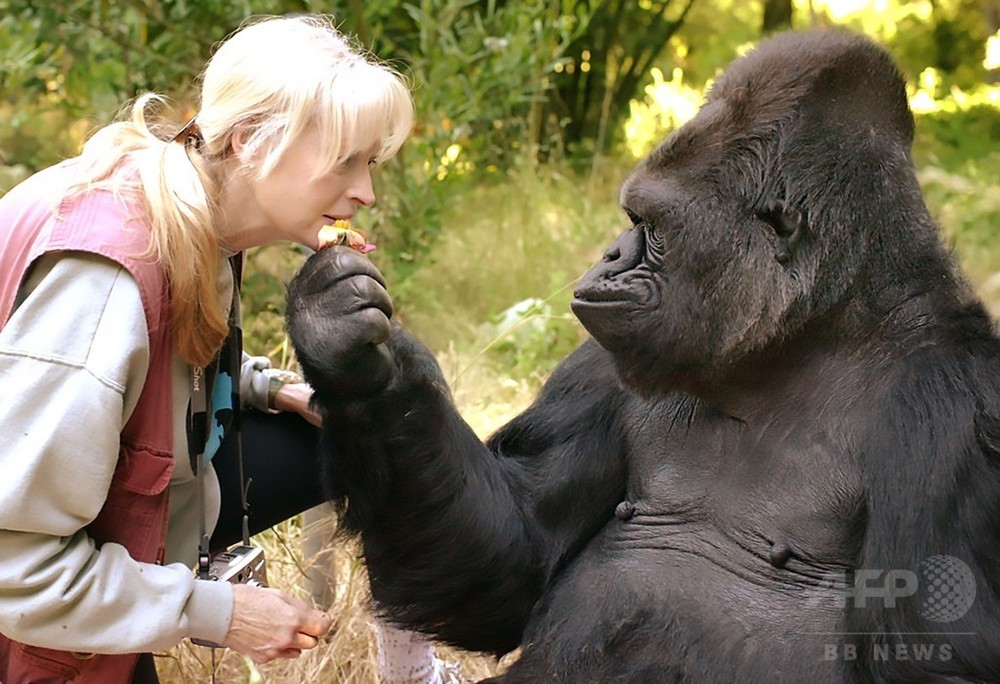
<point x="267" y="624"/>
<point x="295" y="396"/>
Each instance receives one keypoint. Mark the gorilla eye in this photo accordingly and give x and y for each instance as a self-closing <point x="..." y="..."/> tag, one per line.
<point x="653" y="235"/>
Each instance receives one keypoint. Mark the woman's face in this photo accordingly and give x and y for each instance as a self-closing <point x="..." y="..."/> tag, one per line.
<point x="293" y="203"/>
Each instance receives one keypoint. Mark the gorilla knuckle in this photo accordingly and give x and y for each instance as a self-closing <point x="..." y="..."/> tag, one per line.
<point x="375" y="325"/>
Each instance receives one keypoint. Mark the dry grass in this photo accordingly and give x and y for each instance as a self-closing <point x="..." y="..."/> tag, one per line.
<point x="349" y="654"/>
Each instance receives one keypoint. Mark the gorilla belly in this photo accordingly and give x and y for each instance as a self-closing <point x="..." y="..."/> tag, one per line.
<point x="653" y="601"/>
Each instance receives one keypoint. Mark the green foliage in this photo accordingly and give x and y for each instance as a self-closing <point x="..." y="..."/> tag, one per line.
<point x="479" y="71"/>
<point x="528" y="237"/>
<point x="26" y="138"/>
<point x="951" y="38"/>
<point x="967" y="206"/>
<point x="713" y="34"/>
<point x="958" y="154"/>
<point x="955" y="140"/>
<point x="479" y="67"/>
<point x="267" y="271"/>
<point x="529" y="338"/>
<point x="607" y="63"/>
<point x="666" y="105"/>
<point x="70" y="65"/>
<point x="481" y="211"/>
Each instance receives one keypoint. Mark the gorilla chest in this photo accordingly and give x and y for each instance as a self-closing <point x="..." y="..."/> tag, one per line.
<point x="777" y="505"/>
<point x="725" y="561"/>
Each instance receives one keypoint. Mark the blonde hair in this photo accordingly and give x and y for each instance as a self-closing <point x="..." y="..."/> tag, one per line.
<point x="275" y="78"/>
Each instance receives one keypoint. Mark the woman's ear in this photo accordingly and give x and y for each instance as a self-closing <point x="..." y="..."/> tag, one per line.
<point x="238" y="141"/>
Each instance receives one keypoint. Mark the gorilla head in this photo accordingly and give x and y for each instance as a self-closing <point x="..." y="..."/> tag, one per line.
<point x="753" y="224"/>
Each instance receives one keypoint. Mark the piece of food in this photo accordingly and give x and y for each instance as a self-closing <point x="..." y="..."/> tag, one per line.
<point x="340" y="232"/>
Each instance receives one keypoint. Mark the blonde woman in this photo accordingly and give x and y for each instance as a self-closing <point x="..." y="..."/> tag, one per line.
<point x="116" y="304"/>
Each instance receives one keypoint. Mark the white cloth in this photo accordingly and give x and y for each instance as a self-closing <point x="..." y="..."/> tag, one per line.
<point x="404" y="657"/>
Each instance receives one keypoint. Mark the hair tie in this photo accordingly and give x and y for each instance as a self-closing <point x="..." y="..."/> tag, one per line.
<point x="189" y="134"/>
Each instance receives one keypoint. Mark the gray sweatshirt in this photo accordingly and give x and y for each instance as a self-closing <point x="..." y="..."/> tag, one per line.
<point x="73" y="359"/>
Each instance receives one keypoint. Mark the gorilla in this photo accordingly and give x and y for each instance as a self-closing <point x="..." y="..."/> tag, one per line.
<point x="776" y="458"/>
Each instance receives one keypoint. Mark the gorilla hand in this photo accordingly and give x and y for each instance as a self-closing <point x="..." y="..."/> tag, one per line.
<point x="338" y="319"/>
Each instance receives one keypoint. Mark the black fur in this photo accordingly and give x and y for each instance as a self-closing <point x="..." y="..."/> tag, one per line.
<point x="790" y="392"/>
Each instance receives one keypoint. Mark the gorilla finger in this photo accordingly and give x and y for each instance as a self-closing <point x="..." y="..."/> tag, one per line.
<point x="333" y="264"/>
<point x="347" y="259"/>
<point x="374" y="324"/>
<point x="370" y="293"/>
<point x="320" y="316"/>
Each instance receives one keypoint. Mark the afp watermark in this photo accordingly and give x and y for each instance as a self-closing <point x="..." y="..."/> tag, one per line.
<point x="944" y="586"/>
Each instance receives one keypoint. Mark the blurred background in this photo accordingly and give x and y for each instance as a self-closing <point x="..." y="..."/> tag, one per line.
<point x="530" y="113"/>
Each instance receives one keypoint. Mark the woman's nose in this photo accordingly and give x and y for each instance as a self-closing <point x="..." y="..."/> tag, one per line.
<point x="362" y="189"/>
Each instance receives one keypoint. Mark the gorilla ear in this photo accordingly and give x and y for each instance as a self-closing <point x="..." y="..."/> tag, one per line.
<point x="788" y="224"/>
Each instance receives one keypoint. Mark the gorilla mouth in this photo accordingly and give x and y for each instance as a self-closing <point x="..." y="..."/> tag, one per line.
<point x="605" y="309"/>
<point x="611" y="317"/>
<point x="638" y="292"/>
<point x="614" y="310"/>
<point x="606" y="305"/>
<point x="599" y="295"/>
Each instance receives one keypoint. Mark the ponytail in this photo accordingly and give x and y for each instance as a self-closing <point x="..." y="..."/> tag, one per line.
<point x="170" y="180"/>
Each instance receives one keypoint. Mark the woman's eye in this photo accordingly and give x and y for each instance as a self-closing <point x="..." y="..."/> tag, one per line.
<point x="354" y="161"/>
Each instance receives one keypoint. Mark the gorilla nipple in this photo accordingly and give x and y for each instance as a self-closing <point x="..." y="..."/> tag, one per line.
<point x="781" y="552"/>
<point x="625" y="510"/>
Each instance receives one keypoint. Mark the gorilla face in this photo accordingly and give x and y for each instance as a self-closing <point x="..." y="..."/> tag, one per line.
<point x="747" y="221"/>
<point x="705" y="272"/>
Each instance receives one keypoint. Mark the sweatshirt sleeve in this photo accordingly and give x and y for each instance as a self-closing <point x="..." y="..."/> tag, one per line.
<point x="73" y="359"/>
<point x="255" y="382"/>
<point x="259" y="382"/>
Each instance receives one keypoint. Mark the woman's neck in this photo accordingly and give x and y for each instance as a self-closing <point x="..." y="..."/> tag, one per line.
<point x="239" y="224"/>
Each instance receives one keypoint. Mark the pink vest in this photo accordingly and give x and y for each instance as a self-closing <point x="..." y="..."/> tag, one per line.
<point x="135" y="512"/>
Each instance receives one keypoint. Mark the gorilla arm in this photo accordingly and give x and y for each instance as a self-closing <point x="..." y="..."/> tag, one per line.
<point x="460" y="538"/>
<point x="936" y="439"/>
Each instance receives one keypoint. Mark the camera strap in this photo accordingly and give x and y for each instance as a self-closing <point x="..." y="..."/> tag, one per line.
<point x="197" y="434"/>
<point x="213" y="412"/>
